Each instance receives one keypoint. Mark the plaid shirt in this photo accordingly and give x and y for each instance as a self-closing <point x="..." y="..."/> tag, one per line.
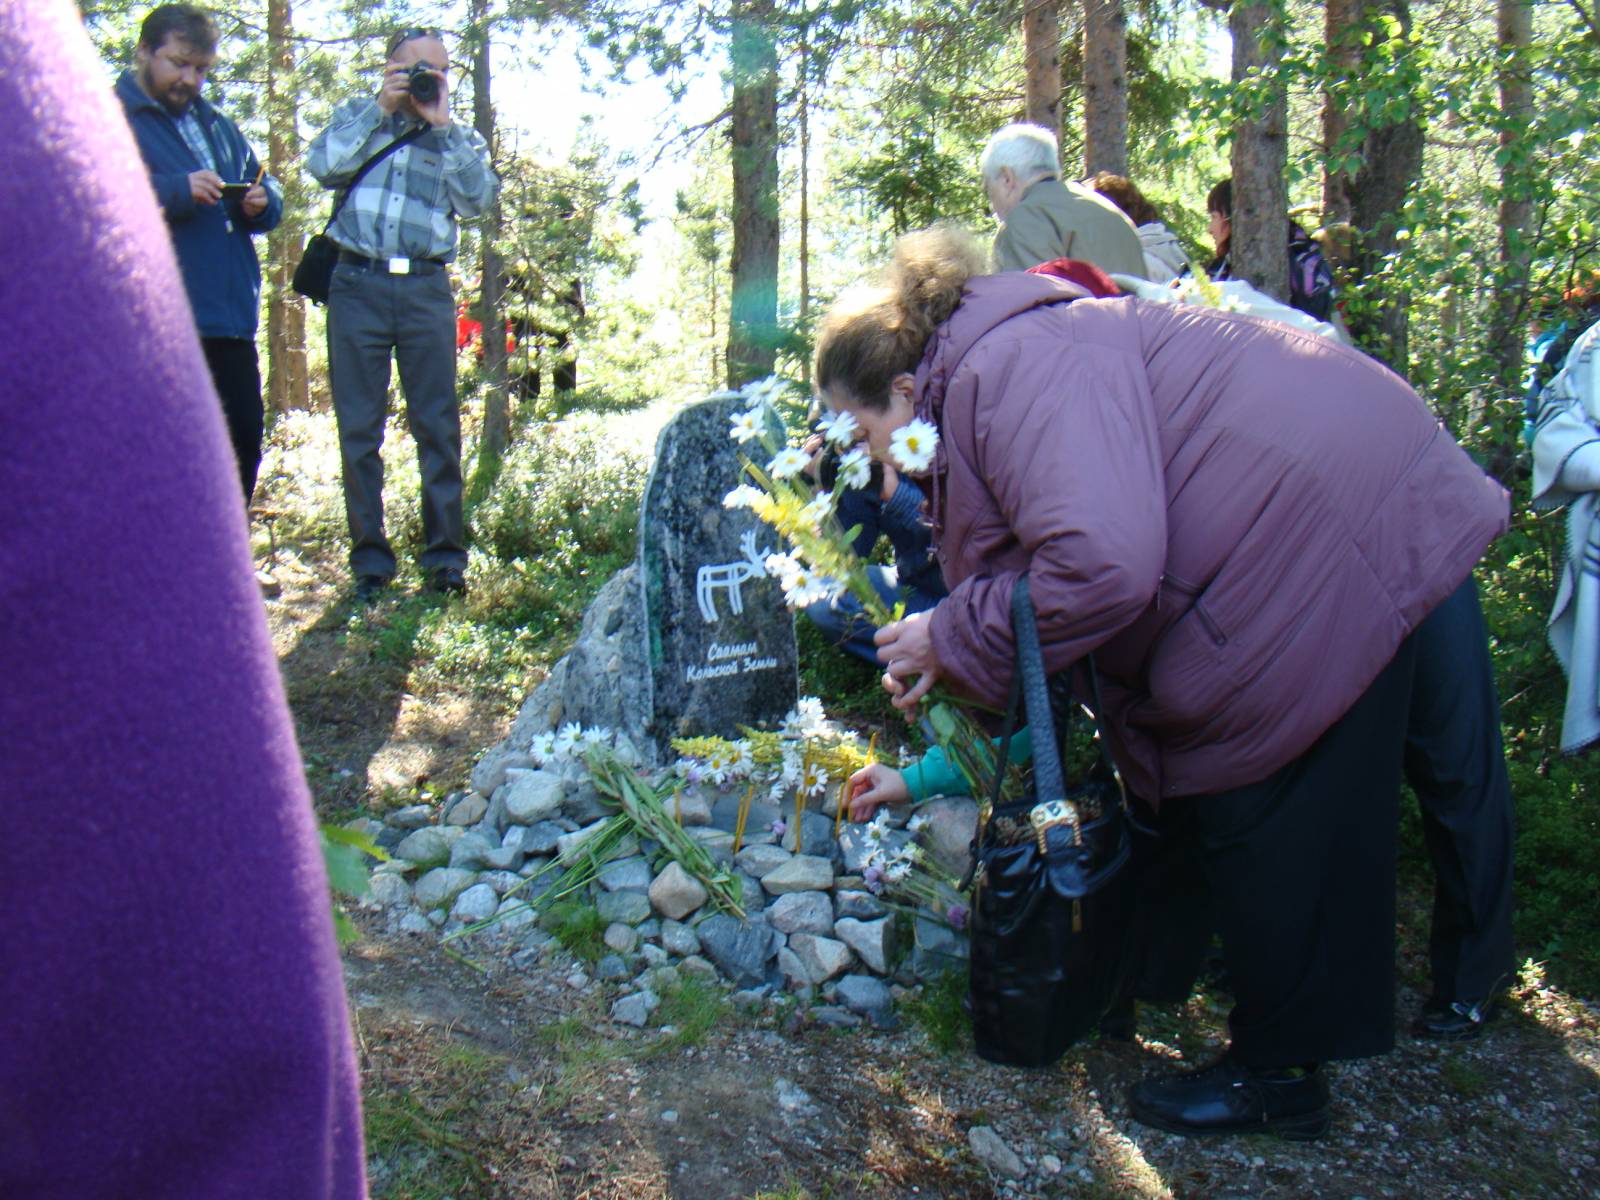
<point x="407" y="205"/>
<point x="189" y="126"/>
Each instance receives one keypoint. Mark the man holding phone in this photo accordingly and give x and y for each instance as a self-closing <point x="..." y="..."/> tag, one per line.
<point x="411" y="174"/>
<point x="216" y="197"/>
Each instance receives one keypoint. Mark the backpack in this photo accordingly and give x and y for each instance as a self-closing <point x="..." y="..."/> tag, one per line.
<point x="1310" y="277"/>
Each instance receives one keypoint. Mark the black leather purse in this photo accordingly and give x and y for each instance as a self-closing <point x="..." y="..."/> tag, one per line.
<point x="313" y="274"/>
<point x="1052" y="909"/>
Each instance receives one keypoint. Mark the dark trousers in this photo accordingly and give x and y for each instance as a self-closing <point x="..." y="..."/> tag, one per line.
<point x="1301" y="870"/>
<point x="236" y="374"/>
<point x="372" y="315"/>
<point x="1455" y="762"/>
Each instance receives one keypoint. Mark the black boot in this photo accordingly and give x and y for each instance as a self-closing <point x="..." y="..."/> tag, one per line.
<point x="1229" y="1097"/>
<point x="1454" y="1022"/>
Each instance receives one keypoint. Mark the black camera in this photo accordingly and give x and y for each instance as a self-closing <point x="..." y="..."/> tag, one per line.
<point x="424" y="83"/>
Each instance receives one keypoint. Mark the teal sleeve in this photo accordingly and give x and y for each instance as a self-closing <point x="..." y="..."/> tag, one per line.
<point x="934" y="775"/>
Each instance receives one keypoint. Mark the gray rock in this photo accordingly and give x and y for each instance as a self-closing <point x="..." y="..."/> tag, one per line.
<point x="721" y="641"/>
<point x="415" y="922"/>
<point x="627" y="908"/>
<point x="864" y="994"/>
<point x="758" y="860"/>
<point x="532" y="795"/>
<point x="822" y="957"/>
<point x="699" y="968"/>
<point x="679" y="939"/>
<point x="515" y="915"/>
<point x="937" y="948"/>
<point x="752" y="897"/>
<point x="740" y="951"/>
<point x="635" y="1010"/>
<point x="750" y="999"/>
<point x="489" y="773"/>
<point x="815" y="837"/>
<point x="390" y="890"/>
<point x="476" y="903"/>
<point x="389" y="838"/>
<point x="413" y="816"/>
<point x="649" y="929"/>
<point x="624" y="939"/>
<point x="855" y="850"/>
<point x="802" y="873"/>
<point x="874" y="941"/>
<point x="428" y="847"/>
<point x="947" y="835"/>
<point x="676" y="893"/>
<point x="654" y="956"/>
<point x="863" y="906"/>
<point x="796" y="974"/>
<point x="693" y="807"/>
<point x="495" y="821"/>
<point x="612" y="968"/>
<point x="834" y="1017"/>
<point x="570" y="845"/>
<point x="503" y="858"/>
<point x="542" y="837"/>
<point x="993" y="1153"/>
<point x="440" y="886"/>
<point x="626" y="875"/>
<point x="663" y="979"/>
<point x="470" y="850"/>
<point x="802" y="912"/>
<point x="603" y="679"/>
<point x="502" y="881"/>
<point x="584" y="803"/>
<point x="468" y="810"/>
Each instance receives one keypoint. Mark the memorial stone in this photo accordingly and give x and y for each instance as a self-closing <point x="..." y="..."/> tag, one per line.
<point x="721" y="642"/>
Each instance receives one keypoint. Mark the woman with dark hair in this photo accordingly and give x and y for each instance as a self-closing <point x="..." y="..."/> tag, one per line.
<point x="1310" y="277"/>
<point x="1244" y="523"/>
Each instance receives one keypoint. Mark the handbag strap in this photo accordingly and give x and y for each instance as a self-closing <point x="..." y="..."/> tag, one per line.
<point x="410" y="135"/>
<point x="1031" y="684"/>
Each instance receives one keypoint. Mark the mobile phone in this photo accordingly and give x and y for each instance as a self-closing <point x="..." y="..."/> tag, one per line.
<point x="234" y="191"/>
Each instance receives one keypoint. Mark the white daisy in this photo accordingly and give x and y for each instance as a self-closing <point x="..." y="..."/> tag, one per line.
<point x="913" y="445"/>
<point x="855" y="469"/>
<point x="743" y="496"/>
<point x="841" y="429"/>
<point x="787" y="463"/>
<point x="819" y="509"/>
<point x="764" y="391"/>
<point x="566" y="738"/>
<point x="746" y="425"/>
<point x="597" y="735"/>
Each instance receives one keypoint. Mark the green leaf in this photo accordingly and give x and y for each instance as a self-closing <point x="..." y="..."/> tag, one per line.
<point x="347" y="869"/>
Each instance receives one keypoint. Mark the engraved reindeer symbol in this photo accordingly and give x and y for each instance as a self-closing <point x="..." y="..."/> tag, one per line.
<point x="730" y="576"/>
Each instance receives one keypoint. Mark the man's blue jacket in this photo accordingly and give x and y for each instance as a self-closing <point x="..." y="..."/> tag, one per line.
<point x="213" y="241"/>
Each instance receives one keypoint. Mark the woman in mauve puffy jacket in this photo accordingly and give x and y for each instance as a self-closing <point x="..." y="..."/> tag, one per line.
<point x="1245" y="523"/>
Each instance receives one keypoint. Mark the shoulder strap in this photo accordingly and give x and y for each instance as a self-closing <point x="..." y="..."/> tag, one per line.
<point x="344" y="194"/>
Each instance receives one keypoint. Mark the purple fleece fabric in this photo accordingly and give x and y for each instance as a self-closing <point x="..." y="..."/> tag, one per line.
<point x="174" y="1015"/>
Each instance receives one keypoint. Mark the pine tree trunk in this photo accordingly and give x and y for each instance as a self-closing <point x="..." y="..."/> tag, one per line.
<point x="1259" y="244"/>
<point x="753" y="319"/>
<point x="805" y="208"/>
<point x="1362" y="207"/>
<point x="1516" y="205"/>
<point x="496" y="411"/>
<point x="1105" y="87"/>
<point x="288" y="385"/>
<point x="1041" y="47"/>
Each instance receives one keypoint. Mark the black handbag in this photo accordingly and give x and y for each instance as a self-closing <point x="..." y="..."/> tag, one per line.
<point x="1052" y="908"/>
<point x="313" y="274"/>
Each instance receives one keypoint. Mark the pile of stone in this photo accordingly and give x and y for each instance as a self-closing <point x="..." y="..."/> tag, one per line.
<point x="811" y="925"/>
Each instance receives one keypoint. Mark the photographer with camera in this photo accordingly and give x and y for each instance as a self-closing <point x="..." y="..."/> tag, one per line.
<point x="216" y="198"/>
<point x="891" y="506"/>
<point x="410" y="174"/>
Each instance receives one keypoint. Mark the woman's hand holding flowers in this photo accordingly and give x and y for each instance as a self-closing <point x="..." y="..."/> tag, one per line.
<point x="906" y="648"/>
<point x="873" y="786"/>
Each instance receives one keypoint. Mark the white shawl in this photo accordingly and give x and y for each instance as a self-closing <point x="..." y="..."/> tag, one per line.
<point x="1566" y="470"/>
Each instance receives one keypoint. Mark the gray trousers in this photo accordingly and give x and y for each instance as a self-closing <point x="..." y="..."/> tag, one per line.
<point x="371" y="314"/>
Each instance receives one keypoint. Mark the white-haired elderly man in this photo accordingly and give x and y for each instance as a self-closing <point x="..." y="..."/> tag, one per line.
<point x="1044" y="217"/>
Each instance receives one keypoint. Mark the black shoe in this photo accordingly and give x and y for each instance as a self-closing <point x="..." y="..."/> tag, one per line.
<point x="1454" y="1022"/>
<point x="449" y="580"/>
<point x="370" y="587"/>
<point x="1229" y="1097"/>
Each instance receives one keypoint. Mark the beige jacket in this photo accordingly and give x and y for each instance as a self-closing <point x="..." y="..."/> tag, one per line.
<point x="1063" y="220"/>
